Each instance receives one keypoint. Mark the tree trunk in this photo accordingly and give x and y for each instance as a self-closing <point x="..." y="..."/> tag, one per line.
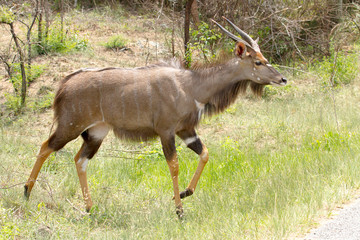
<point x="47" y="21"/>
<point x="40" y="34"/>
<point x="187" y="31"/>
<point x="22" y="65"/>
<point x="62" y="20"/>
<point x="28" y="37"/>
<point x="195" y="14"/>
<point x="340" y="9"/>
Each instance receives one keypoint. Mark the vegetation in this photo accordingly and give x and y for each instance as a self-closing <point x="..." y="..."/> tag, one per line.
<point x="116" y="43"/>
<point x="276" y="164"/>
<point x="56" y="41"/>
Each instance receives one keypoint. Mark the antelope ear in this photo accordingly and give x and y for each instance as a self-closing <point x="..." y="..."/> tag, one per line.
<point x="240" y="49"/>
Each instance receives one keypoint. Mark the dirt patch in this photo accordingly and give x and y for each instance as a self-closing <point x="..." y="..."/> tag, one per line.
<point x="147" y="43"/>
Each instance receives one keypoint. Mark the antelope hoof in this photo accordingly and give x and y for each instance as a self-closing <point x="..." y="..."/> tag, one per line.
<point x="180" y="212"/>
<point x="26" y="193"/>
<point x="186" y="193"/>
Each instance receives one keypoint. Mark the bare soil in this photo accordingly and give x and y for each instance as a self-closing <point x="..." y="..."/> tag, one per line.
<point x="149" y="41"/>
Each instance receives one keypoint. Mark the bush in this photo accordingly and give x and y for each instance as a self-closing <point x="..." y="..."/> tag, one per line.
<point x="204" y="41"/>
<point x="36" y="71"/>
<point x="60" y="41"/>
<point x="116" y="43"/>
<point x="13" y="102"/>
<point x="339" y="68"/>
<point x="6" y="15"/>
<point x="42" y="102"/>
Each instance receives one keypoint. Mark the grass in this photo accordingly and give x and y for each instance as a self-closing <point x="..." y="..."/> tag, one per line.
<point x="275" y="164"/>
<point x="116" y="43"/>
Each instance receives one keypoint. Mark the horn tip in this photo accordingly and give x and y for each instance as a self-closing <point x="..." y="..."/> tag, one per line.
<point x="214" y="21"/>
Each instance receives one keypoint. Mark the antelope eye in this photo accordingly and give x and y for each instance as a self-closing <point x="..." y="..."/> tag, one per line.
<point x="258" y="63"/>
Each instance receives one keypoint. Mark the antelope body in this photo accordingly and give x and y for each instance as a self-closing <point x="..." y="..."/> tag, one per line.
<point x="160" y="100"/>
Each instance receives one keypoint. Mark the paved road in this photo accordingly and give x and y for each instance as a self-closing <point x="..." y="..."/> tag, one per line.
<point x="344" y="226"/>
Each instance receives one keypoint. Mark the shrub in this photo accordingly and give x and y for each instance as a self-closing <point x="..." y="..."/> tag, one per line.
<point x="36" y="71"/>
<point x="60" y="41"/>
<point x="13" y="102"/>
<point x="116" y="43"/>
<point x="42" y="102"/>
<point x="204" y="40"/>
<point x="339" y="68"/>
<point x="6" y="15"/>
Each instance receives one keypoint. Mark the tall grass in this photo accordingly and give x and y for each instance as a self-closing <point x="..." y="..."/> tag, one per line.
<point x="275" y="164"/>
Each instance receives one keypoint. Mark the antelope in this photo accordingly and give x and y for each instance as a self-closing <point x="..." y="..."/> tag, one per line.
<point x="162" y="100"/>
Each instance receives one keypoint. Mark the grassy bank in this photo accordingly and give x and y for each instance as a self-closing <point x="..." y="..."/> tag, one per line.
<point x="275" y="164"/>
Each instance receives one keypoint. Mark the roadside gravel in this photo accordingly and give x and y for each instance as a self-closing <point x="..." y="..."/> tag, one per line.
<point x="343" y="226"/>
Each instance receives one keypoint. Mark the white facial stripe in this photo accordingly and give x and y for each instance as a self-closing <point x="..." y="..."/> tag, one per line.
<point x="258" y="79"/>
<point x="269" y="65"/>
<point x="190" y="140"/>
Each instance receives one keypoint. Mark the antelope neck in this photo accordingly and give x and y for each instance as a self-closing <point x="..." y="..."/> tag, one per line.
<point x="209" y="81"/>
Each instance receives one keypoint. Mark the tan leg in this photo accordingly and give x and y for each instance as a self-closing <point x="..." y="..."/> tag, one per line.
<point x="174" y="172"/>
<point x="204" y="157"/>
<point x="193" y="142"/>
<point x="81" y="164"/>
<point x="44" y="153"/>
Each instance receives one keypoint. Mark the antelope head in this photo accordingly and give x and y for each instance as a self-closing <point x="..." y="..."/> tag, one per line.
<point x="247" y="50"/>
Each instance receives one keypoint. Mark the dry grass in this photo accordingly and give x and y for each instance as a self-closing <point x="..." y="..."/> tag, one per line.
<point x="147" y="37"/>
<point x="275" y="163"/>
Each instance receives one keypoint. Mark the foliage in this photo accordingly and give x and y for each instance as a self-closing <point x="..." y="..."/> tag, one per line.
<point x="57" y="40"/>
<point x="13" y="102"/>
<point x="36" y="71"/>
<point x="43" y="102"/>
<point x="276" y="92"/>
<point x="273" y="167"/>
<point x="275" y="164"/>
<point x="6" y="15"/>
<point x="116" y="43"/>
<point x="204" y="40"/>
<point x="340" y="68"/>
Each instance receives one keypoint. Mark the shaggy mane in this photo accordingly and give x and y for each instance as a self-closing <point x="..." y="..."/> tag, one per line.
<point x="225" y="97"/>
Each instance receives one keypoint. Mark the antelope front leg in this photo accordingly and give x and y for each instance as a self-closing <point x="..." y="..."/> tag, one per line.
<point x="193" y="142"/>
<point x="204" y="157"/>
<point x="44" y="153"/>
<point x="169" y="149"/>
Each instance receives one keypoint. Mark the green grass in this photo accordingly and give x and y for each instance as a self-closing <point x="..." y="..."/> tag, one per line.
<point x="275" y="165"/>
<point x="116" y="43"/>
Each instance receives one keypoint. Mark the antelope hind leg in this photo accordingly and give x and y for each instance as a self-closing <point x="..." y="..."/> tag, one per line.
<point x="81" y="164"/>
<point x="93" y="138"/>
<point x="169" y="150"/>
